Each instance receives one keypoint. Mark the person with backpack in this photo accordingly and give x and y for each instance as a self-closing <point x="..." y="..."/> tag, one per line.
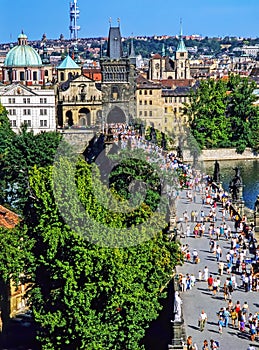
<point x="214" y="344"/>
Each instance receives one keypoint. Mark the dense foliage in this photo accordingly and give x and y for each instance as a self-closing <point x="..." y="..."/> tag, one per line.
<point x="97" y="267"/>
<point x="222" y="114"/>
<point x="19" y="152"/>
<point x="86" y="295"/>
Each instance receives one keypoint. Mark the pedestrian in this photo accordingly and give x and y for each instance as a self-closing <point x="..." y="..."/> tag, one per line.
<point x="205" y="273"/>
<point x="226" y="315"/>
<point x="221" y="324"/>
<point x="214" y="286"/>
<point x="205" y="345"/>
<point x="221" y="267"/>
<point x="199" y="275"/>
<point x="233" y="315"/>
<point x="210" y="282"/>
<point x="202" y="320"/>
<point x="214" y="344"/>
<point x="218" y="253"/>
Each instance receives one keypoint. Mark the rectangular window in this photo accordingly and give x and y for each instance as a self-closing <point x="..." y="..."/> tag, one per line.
<point x="165" y="120"/>
<point x="43" y="100"/>
<point x="150" y="102"/>
<point x="145" y="92"/>
<point x="145" y="103"/>
<point x="140" y="113"/>
<point x="150" y="92"/>
<point x="13" y="123"/>
<point x="11" y="100"/>
<point x="150" y="113"/>
<point x="43" y="123"/>
<point x="12" y="111"/>
<point x="140" y="92"/>
<point x="166" y="100"/>
<point x="140" y="102"/>
<point x="22" y="76"/>
<point x="165" y="109"/>
<point x="145" y="113"/>
<point x="43" y="112"/>
<point x="28" y="122"/>
<point x="26" y="112"/>
<point x="26" y="100"/>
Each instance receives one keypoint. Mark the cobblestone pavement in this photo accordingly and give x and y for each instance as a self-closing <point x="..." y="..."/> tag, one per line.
<point x="200" y="297"/>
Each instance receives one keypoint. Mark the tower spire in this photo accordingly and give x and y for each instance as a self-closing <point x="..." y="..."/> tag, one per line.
<point x="132" y="49"/>
<point x="181" y="45"/>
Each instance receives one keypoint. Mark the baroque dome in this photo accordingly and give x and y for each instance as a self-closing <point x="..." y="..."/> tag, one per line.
<point x="22" y="55"/>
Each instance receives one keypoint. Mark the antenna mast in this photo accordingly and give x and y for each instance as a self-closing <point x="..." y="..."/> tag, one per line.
<point x="74" y="15"/>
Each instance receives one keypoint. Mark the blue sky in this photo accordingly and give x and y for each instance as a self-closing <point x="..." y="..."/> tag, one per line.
<point x="140" y="17"/>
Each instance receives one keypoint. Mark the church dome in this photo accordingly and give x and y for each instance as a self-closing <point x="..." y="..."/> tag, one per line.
<point x="22" y="55"/>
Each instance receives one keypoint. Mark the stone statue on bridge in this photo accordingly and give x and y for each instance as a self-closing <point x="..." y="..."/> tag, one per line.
<point x="177" y="307"/>
<point x="216" y="174"/>
<point x="236" y="185"/>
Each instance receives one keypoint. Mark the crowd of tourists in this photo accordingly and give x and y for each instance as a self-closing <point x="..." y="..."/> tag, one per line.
<point x="233" y="247"/>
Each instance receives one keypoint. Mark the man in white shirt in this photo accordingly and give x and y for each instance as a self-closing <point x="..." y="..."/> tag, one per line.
<point x="202" y="320"/>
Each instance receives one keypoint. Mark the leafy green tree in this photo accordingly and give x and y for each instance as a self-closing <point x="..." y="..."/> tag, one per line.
<point x="223" y="114"/>
<point x="88" y="296"/>
<point x="207" y="114"/>
<point x="14" y="253"/>
<point x="6" y="137"/>
<point x="243" y="114"/>
<point x="24" y="151"/>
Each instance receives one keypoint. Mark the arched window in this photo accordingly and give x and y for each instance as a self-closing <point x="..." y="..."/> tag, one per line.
<point x="114" y="93"/>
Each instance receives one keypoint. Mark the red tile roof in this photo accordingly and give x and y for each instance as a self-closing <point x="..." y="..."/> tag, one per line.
<point x="8" y="219"/>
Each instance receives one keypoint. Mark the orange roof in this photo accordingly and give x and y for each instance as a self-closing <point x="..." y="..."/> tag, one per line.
<point x="156" y="55"/>
<point x="8" y="219"/>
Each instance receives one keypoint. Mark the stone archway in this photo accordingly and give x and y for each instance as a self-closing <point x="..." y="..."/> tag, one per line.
<point x="84" y="117"/>
<point x="116" y="115"/>
<point x="69" y="118"/>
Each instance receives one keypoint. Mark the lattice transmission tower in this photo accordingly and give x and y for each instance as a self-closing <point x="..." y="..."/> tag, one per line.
<point x="74" y="15"/>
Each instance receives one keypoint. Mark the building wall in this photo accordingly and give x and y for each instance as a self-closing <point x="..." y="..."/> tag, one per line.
<point x="31" y="106"/>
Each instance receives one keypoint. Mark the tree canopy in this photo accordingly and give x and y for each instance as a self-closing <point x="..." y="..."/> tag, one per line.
<point x="222" y="114"/>
<point x="86" y="295"/>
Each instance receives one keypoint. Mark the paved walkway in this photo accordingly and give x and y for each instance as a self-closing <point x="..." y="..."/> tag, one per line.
<point x="200" y="297"/>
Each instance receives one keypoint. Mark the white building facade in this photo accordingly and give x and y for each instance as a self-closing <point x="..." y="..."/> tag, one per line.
<point x="25" y="105"/>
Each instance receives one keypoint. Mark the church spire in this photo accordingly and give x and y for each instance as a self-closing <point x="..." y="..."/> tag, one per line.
<point x="132" y="49"/>
<point x="163" y="50"/>
<point x="181" y="45"/>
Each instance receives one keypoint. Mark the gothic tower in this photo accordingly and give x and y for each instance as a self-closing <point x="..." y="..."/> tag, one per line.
<point x="118" y="82"/>
<point x="181" y="59"/>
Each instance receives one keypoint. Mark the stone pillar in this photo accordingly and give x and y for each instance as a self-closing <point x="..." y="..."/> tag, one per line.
<point x="178" y="327"/>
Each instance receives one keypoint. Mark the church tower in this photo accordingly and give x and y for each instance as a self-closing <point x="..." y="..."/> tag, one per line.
<point x="118" y="82"/>
<point x="181" y="59"/>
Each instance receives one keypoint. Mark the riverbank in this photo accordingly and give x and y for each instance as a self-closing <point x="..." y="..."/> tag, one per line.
<point x="221" y="154"/>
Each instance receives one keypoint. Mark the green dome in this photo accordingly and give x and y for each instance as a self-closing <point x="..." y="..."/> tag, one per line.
<point x="22" y="55"/>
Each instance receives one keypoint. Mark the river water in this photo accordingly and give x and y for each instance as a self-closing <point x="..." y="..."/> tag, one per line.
<point x="249" y="171"/>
